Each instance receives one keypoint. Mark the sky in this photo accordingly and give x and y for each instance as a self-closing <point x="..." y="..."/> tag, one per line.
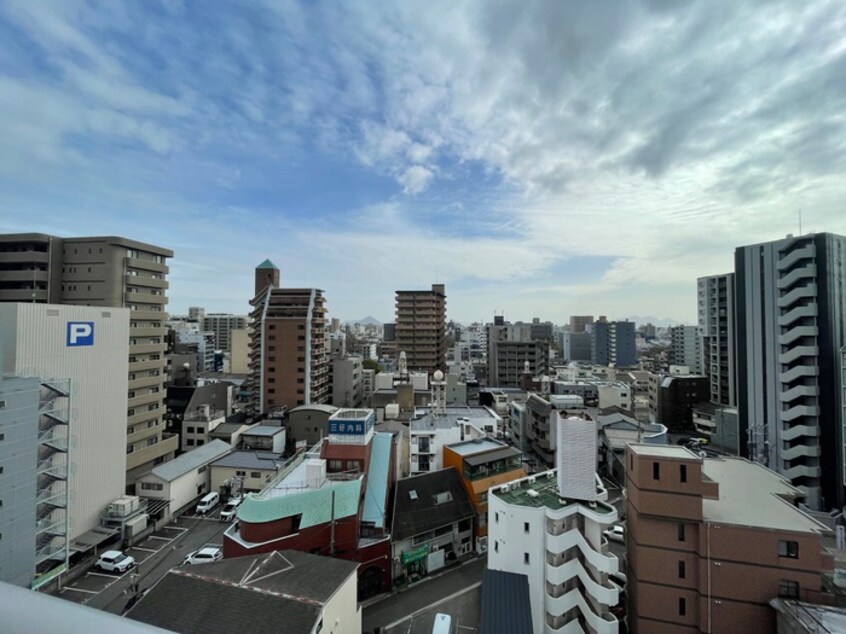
<point x="539" y="159"/>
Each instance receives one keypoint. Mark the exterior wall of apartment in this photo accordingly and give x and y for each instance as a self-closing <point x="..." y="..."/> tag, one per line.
<point x="222" y="327"/>
<point x="239" y="353"/>
<point x="36" y="337"/>
<point x="507" y="360"/>
<point x="576" y="346"/>
<point x="686" y="347"/>
<point x="347" y="382"/>
<point x="254" y="480"/>
<point x="578" y="323"/>
<point x="341" y="614"/>
<point x="19" y="460"/>
<point x="791" y="311"/>
<point x="421" y="328"/>
<point x="675" y="401"/>
<point x="28" y="273"/>
<point x="716" y="304"/>
<point x="182" y="491"/>
<point x="197" y="427"/>
<point x="614" y="343"/>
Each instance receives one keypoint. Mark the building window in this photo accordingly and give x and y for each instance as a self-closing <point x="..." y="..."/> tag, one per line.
<point x="201" y="469"/>
<point x="788" y="549"/>
<point x="190" y="430"/>
<point x="656" y="470"/>
<point x="496" y="547"/>
<point x="189" y="442"/>
<point x="336" y="465"/>
<point x="682" y="606"/>
<point x="788" y="589"/>
<point x="683" y="472"/>
<point x="255" y="474"/>
<point x="631" y="462"/>
<point x="496" y="517"/>
<point x="681" y="570"/>
<point x="526" y="527"/>
<point x="526" y="558"/>
<point x="241" y="474"/>
<point x="681" y="532"/>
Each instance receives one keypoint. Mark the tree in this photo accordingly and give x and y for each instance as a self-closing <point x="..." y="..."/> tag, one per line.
<point x="371" y="364"/>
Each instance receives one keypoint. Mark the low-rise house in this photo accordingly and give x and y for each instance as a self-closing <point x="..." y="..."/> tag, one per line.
<point x="245" y="471"/>
<point x="264" y="438"/>
<point x="307" y="423"/>
<point x="430" y="432"/>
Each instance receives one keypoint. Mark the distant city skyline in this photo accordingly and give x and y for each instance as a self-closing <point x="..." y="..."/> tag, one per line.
<point x="546" y="160"/>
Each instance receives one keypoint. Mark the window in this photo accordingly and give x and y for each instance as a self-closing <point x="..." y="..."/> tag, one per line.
<point x="683" y="472"/>
<point x="631" y="461"/>
<point x="190" y="430"/>
<point x="681" y="570"/>
<point x="202" y="469"/>
<point x="255" y="474"/>
<point x="241" y="473"/>
<point x="788" y="589"/>
<point x="656" y="470"/>
<point x="526" y="558"/>
<point x="152" y="486"/>
<point x="682" y="606"/>
<point x="336" y="465"/>
<point x="496" y="517"/>
<point x="189" y="442"/>
<point x="496" y="547"/>
<point x="681" y="532"/>
<point x="788" y="549"/>
<point x="526" y="527"/>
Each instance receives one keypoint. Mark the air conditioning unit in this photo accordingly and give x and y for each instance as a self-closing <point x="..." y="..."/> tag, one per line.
<point x="532" y="479"/>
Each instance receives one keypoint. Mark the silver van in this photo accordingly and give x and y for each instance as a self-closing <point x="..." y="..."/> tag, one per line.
<point x="207" y="503"/>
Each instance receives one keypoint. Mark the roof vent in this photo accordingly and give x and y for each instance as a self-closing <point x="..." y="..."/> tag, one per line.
<point x="443" y="498"/>
<point x="505" y="488"/>
<point x="532" y="493"/>
<point x="532" y="479"/>
<point x="412" y="494"/>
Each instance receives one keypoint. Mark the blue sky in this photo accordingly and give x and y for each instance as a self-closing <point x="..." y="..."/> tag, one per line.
<point x="542" y="160"/>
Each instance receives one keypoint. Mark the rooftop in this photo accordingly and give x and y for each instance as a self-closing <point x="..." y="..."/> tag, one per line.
<point x="352" y="414"/>
<point x="451" y="417"/>
<point x="506" y="608"/>
<point x="263" y="430"/>
<point x="470" y="447"/>
<point x="316" y="407"/>
<point x="376" y="492"/>
<point x="428" y="501"/>
<point x="664" y="451"/>
<point x="250" y="460"/>
<point x="544" y="492"/>
<point x="191" y="460"/>
<point x="267" y="264"/>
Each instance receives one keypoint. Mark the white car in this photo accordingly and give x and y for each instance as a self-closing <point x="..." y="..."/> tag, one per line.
<point x="616" y="533"/>
<point x="229" y="510"/>
<point x="203" y="556"/>
<point x="115" y="561"/>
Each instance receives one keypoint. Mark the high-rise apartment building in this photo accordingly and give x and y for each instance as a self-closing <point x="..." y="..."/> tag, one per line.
<point x="196" y="313"/>
<point x="289" y="355"/>
<point x="715" y="299"/>
<point x="549" y="527"/>
<point x="421" y="328"/>
<point x="711" y="541"/>
<point x="791" y="326"/>
<point x="222" y="325"/>
<point x="114" y="272"/>
<point x="686" y="348"/>
<point x="507" y="358"/>
<point x="614" y="343"/>
<point x="578" y="322"/>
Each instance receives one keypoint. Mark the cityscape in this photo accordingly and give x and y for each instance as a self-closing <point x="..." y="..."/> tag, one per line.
<point x="425" y="318"/>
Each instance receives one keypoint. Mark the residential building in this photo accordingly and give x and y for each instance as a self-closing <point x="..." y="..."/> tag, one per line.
<point x="613" y="343"/>
<point x="245" y="471"/>
<point x="675" y="397"/>
<point x="686" y="347"/>
<point x="719" y="425"/>
<point x="200" y="346"/>
<point x="308" y="423"/>
<point x="576" y="346"/>
<point x="179" y="483"/>
<point x="196" y="313"/>
<point x="222" y="325"/>
<point x="507" y="359"/>
<point x="791" y="325"/>
<point x="109" y="272"/>
<point x="198" y="425"/>
<point x="289" y="590"/>
<point x="716" y="297"/>
<point x="432" y="523"/>
<point x="549" y="527"/>
<point x="83" y="352"/>
<point x="579" y="323"/>
<point x="431" y="431"/>
<point x="347" y="382"/>
<point x="289" y="361"/>
<point x="368" y="380"/>
<point x="265" y="438"/>
<point x="239" y="351"/>
<point x="541" y="413"/>
<point x="483" y="463"/>
<point x="421" y="328"/>
<point x="711" y="541"/>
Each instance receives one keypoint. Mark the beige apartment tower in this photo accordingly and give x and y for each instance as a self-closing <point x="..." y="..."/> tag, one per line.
<point x="106" y="271"/>
<point x="421" y="328"/>
<point x="289" y="356"/>
<point x="711" y="541"/>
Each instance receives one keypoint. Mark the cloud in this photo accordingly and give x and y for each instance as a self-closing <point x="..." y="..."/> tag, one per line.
<point x="415" y="179"/>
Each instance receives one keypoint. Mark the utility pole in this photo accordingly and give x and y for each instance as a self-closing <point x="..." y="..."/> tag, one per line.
<point x="332" y="527"/>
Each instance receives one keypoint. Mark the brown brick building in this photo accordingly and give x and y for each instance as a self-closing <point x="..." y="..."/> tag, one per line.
<point x="289" y="357"/>
<point x="711" y="541"/>
<point x="421" y="328"/>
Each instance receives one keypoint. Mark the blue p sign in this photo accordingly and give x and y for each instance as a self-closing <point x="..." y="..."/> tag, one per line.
<point x="80" y="333"/>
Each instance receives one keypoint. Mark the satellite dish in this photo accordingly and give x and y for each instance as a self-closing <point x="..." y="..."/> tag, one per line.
<point x="438" y="376"/>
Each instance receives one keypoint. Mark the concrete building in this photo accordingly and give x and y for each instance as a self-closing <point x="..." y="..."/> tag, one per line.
<point x="265" y="438"/>
<point x="613" y="343"/>
<point x="421" y="328"/>
<point x="88" y="347"/>
<point x="368" y="381"/>
<point x="675" y="398"/>
<point x="109" y="272"/>
<point x="239" y="351"/>
<point x="289" y="591"/>
<point x="245" y="471"/>
<point x="196" y="313"/>
<point x="791" y="325"/>
<point x="707" y="554"/>
<point x="183" y="480"/>
<point x="686" y="347"/>
<point x="719" y="425"/>
<point x="549" y="527"/>
<point x="430" y="432"/>
<point x="347" y="382"/>
<point x="541" y="413"/>
<point x="576" y="346"/>
<point x="507" y="359"/>
<point x="308" y="423"/>
<point x="222" y="325"/>
<point x="579" y="323"/>
<point x="481" y="464"/>
<point x="198" y="425"/>
<point x="289" y="360"/>
<point x="200" y="345"/>
<point x="715" y="299"/>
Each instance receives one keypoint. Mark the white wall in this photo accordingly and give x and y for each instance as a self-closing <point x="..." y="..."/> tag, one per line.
<point x="341" y="614"/>
<point x="36" y="345"/>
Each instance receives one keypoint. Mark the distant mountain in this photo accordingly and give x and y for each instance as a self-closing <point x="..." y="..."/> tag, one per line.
<point x="655" y="321"/>
<point x="367" y="321"/>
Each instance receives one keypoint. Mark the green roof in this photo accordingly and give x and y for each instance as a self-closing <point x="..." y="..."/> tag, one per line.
<point x="267" y="264"/>
<point x="547" y="495"/>
<point x="315" y="505"/>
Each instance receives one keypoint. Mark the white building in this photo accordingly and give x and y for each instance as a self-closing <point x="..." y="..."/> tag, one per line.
<point x="614" y="394"/>
<point x="184" y="479"/>
<point x="198" y="424"/>
<point x="429" y="433"/>
<point x="89" y="346"/>
<point x="549" y="527"/>
<point x="686" y="347"/>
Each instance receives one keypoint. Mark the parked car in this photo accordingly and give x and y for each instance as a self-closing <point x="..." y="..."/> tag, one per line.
<point x="209" y="501"/>
<point x="616" y="533"/>
<point x="229" y="510"/>
<point x="115" y="561"/>
<point x="203" y="556"/>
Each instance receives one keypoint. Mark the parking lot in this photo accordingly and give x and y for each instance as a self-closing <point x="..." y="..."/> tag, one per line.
<point x="464" y="608"/>
<point x="95" y="581"/>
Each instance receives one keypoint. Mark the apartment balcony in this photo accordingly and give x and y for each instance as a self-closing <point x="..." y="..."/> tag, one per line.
<point x="806" y="272"/>
<point x="14" y="257"/>
<point x="798" y="392"/>
<point x="800" y="312"/>
<point x="799" y="411"/>
<point x="801" y="471"/>
<point x="168" y="444"/>
<point x="799" y="431"/>
<point x="149" y="282"/>
<point x="33" y="275"/>
<point x="801" y="451"/>
<point x="147" y="331"/>
<point x="796" y="333"/>
<point x="144" y="298"/>
<point x="567" y="574"/>
<point x="147" y="348"/>
<point x="556" y="544"/>
<point x="798" y="352"/>
<point x="146" y="366"/>
<point x="807" y="251"/>
<point x="143" y="400"/>
<point x="146" y="265"/>
<point x="801" y="292"/>
<point x="145" y="381"/>
<point x="144" y="313"/>
<point x="556" y="607"/>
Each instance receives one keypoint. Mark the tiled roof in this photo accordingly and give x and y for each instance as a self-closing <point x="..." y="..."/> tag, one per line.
<point x="267" y="264"/>
<point x="191" y="460"/>
<point x="506" y="608"/>
<point x="315" y="505"/>
<point x="422" y="512"/>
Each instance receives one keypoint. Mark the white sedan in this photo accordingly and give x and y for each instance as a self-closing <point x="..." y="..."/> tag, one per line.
<point x="203" y="556"/>
<point x="115" y="561"/>
<point x="616" y="533"/>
